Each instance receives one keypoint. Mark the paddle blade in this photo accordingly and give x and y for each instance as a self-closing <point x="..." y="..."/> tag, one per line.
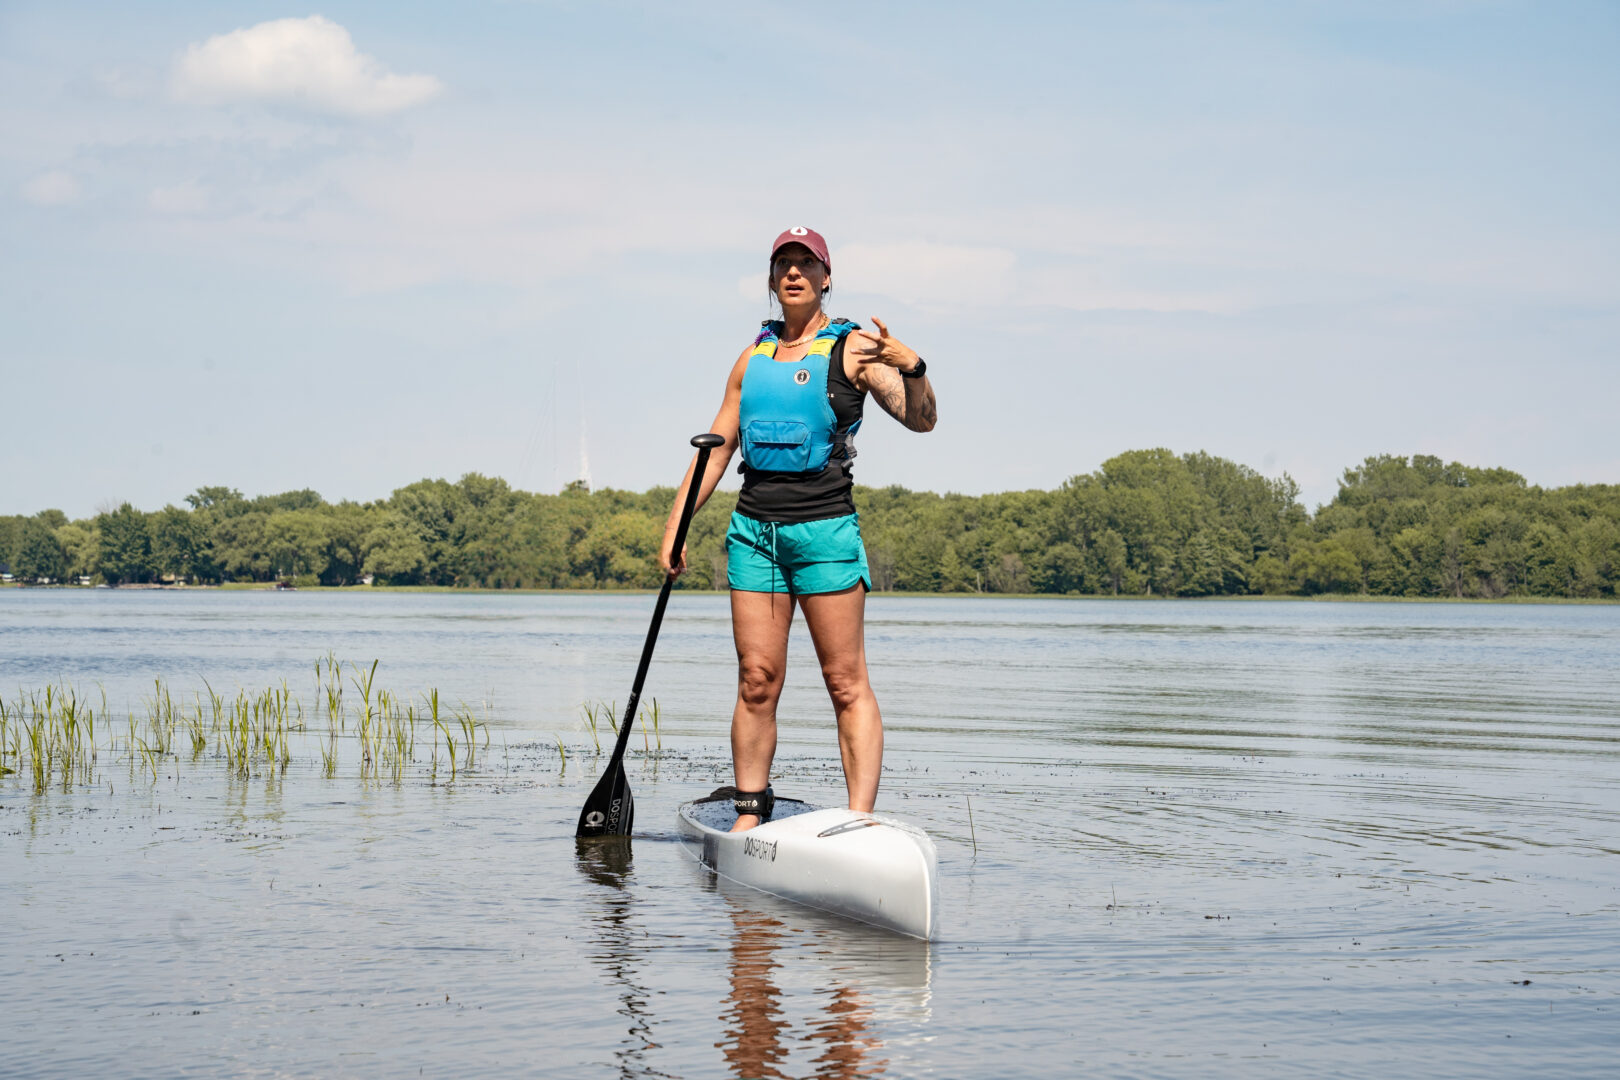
<point x="610" y="811"/>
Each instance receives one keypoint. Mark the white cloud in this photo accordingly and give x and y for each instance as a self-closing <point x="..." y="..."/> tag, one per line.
<point x="124" y="83"/>
<point x="927" y="275"/>
<point x="1087" y="289"/>
<point x="309" y="62"/>
<point x="51" y="189"/>
<point x="186" y="198"/>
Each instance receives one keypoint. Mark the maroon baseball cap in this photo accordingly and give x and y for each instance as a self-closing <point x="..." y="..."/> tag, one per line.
<point x="809" y="238"/>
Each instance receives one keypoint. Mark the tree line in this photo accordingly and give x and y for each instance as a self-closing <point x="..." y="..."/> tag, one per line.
<point x="1148" y="522"/>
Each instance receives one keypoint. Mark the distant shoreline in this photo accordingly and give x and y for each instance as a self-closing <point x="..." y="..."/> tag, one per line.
<point x="457" y="590"/>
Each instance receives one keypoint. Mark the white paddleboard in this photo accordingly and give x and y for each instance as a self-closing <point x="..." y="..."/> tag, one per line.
<point x="862" y="866"/>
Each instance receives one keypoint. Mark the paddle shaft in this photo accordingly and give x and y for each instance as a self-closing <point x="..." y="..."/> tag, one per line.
<point x="627" y="719"/>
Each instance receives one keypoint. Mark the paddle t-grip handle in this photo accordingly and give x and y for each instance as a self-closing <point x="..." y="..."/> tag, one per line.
<point x="705" y="443"/>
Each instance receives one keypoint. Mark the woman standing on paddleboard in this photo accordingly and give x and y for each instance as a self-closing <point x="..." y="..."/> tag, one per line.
<point x="793" y="401"/>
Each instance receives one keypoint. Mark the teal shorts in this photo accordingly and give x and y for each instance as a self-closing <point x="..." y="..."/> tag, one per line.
<point x="805" y="559"/>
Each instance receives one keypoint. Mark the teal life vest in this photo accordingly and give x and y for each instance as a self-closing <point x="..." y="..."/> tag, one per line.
<point x="787" y="423"/>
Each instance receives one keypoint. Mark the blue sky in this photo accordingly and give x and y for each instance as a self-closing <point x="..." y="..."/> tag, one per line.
<point x="349" y="246"/>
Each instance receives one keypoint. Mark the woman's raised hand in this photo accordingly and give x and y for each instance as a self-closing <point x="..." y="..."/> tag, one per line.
<point x="881" y="348"/>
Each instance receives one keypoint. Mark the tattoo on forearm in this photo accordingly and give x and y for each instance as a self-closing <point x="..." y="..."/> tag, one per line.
<point x="910" y="401"/>
<point x="892" y="399"/>
<point x="920" y="412"/>
<point x="926" y="409"/>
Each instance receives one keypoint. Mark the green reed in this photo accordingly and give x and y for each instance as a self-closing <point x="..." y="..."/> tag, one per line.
<point x="597" y="713"/>
<point x="470" y="726"/>
<point x="651" y="713"/>
<point x="441" y="729"/>
<point x="590" y="710"/>
<point x="52" y="733"/>
<point x="8" y="733"/>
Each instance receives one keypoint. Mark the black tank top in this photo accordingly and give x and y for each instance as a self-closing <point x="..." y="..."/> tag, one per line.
<point x="794" y="498"/>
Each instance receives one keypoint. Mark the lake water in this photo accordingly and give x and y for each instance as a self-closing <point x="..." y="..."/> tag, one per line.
<point x="1209" y="839"/>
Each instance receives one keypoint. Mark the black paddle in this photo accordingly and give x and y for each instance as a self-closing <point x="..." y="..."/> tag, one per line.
<point x="610" y="810"/>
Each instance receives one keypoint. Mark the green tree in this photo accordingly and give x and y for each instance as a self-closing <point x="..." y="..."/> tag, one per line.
<point x="1115" y="559"/>
<point x="1007" y="574"/>
<point x="346" y="527"/>
<point x="1147" y="521"/>
<point x="82" y="545"/>
<point x="1269" y="575"/>
<point x="220" y="498"/>
<point x="621" y="552"/>
<point x="954" y="574"/>
<point x="1326" y="567"/>
<point x="238" y="546"/>
<point x="11" y="528"/>
<point x="178" y="544"/>
<point x="39" y="555"/>
<point x="1062" y="568"/>
<point x="296" y="544"/>
<point x="126" y="546"/>
<point x="395" y="554"/>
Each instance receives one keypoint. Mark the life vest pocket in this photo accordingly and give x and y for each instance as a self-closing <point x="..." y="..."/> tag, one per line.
<point x="777" y="446"/>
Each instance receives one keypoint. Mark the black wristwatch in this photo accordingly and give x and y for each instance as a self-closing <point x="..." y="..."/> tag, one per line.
<point x="917" y="372"/>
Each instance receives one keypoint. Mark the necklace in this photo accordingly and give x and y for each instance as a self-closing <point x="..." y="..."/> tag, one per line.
<point x="810" y="336"/>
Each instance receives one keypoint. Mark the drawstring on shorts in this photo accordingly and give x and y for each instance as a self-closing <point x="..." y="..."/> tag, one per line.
<point x="768" y="534"/>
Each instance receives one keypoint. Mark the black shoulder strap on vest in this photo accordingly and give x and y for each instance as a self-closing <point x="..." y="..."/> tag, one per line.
<point x="843" y="448"/>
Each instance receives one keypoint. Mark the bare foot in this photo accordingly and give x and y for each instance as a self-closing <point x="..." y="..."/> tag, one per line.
<point x="745" y="822"/>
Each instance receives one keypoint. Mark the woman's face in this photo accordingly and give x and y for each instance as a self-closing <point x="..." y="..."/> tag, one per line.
<point x="797" y="276"/>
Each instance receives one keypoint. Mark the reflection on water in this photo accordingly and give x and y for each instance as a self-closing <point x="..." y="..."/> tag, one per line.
<point x="807" y="987"/>
<point x="806" y="994"/>
<point x="753" y="1016"/>
<point x="609" y="863"/>
<point x="1212" y="840"/>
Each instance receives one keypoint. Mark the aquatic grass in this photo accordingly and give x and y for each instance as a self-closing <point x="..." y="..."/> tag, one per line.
<point x="195" y="729"/>
<point x="148" y="757"/>
<point x="653" y="713"/>
<point x="467" y="725"/>
<point x="10" y="740"/>
<point x="590" y="711"/>
<point x="51" y="733"/>
<point x="470" y="726"/>
<point x="598" y="712"/>
<point x="328" y="748"/>
<point x="368" y="734"/>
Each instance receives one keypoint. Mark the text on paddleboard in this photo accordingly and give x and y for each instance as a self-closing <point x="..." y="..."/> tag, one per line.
<point x="759" y="849"/>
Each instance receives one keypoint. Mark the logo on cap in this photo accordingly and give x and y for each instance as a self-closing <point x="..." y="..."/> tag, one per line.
<point x="799" y="230"/>
<point x="801" y="376"/>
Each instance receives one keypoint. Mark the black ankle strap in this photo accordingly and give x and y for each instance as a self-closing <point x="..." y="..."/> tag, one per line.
<point x="755" y="802"/>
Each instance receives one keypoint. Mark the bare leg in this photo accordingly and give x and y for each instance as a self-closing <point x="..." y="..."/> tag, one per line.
<point x="759" y="624"/>
<point x="837" y="624"/>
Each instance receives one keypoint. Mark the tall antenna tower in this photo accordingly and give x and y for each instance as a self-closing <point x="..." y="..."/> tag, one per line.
<point x="584" y="457"/>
